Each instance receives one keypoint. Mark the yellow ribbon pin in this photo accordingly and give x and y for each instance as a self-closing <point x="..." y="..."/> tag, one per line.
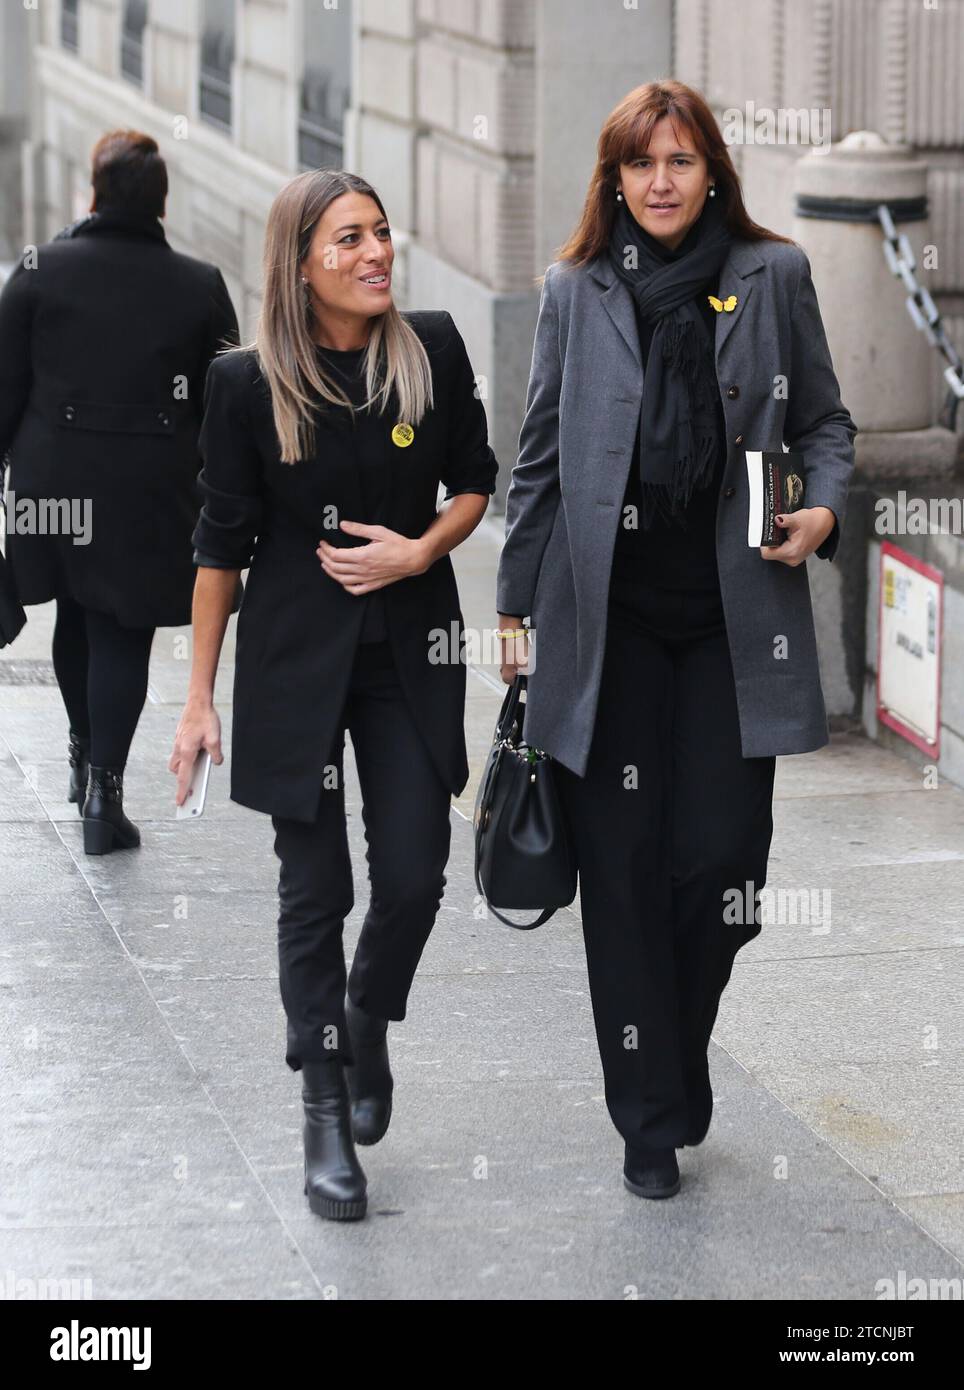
<point x="728" y="304"/>
<point x="402" y="435"/>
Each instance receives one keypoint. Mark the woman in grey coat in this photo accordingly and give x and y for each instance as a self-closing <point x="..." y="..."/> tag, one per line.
<point x="670" y="662"/>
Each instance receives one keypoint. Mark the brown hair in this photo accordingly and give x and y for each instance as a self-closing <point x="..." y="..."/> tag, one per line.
<point x="127" y="172"/>
<point x="394" y="359"/>
<point x="626" y="135"/>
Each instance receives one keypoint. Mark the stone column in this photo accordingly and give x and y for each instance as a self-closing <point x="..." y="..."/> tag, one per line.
<point x="478" y="120"/>
<point x="885" y="367"/>
<point x="266" y="73"/>
<point x="174" y="37"/>
<point x="15" y="35"/>
<point x="883" y="362"/>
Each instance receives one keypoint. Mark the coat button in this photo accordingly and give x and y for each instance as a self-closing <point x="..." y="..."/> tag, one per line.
<point x="729" y="491"/>
<point x="738" y="439"/>
<point x="69" y="412"/>
<point x="163" y="417"/>
<point x="733" y="392"/>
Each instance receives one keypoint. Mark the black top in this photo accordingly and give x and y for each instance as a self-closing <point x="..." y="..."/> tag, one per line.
<point x="667" y="556"/>
<point x="346" y="368"/>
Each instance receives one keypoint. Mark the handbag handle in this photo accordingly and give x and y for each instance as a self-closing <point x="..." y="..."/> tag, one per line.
<point x="543" y="917"/>
<point x="510" y="707"/>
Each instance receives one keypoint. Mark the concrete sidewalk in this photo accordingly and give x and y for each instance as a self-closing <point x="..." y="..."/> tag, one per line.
<point x="151" y="1130"/>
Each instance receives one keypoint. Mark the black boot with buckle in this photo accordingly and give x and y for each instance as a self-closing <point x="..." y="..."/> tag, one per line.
<point x="335" y="1184"/>
<point x="651" y="1172"/>
<point x="106" y="828"/>
<point x="78" y="755"/>
<point x="370" y="1082"/>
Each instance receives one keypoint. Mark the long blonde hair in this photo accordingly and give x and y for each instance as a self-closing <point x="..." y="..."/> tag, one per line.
<point x="395" y="358"/>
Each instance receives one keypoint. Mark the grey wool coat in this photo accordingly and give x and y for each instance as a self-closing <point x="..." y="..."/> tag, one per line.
<point x="563" y="508"/>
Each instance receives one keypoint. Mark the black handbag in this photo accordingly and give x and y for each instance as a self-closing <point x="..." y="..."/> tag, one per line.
<point x="523" y="853"/>
<point x="12" y="616"/>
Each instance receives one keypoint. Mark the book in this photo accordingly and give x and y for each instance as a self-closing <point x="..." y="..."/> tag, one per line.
<point x="776" y="487"/>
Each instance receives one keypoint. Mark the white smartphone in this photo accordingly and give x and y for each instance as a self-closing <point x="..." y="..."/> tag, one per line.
<point x="198" y="788"/>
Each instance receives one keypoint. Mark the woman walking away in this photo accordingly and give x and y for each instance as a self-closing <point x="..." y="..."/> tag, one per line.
<point x="106" y="334"/>
<point x="324" y="444"/>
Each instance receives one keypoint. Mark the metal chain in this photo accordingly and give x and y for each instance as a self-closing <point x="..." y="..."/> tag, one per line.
<point x="924" y="313"/>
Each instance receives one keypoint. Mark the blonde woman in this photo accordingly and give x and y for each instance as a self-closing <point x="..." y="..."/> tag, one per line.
<point x="323" y="445"/>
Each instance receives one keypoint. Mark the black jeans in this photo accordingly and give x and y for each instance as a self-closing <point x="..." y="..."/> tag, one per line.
<point x="405" y="810"/>
<point x="669" y="817"/>
<point x="101" y="668"/>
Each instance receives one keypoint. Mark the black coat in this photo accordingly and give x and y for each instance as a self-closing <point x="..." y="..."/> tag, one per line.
<point x="104" y="348"/>
<point x="298" y="627"/>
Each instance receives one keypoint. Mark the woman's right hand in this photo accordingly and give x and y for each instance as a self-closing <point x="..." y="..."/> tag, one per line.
<point x="199" y="728"/>
<point x="514" y="650"/>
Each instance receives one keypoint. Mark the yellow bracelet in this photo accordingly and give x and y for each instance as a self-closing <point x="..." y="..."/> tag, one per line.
<point x="512" y="632"/>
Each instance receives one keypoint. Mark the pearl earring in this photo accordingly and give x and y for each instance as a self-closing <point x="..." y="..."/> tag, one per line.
<point x="619" y="196"/>
<point x="712" y="190"/>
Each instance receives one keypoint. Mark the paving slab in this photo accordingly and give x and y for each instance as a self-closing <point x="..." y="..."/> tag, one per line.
<point x="150" y="1135"/>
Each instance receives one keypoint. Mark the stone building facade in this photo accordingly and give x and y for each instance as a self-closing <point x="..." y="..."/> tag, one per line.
<point x="477" y="121"/>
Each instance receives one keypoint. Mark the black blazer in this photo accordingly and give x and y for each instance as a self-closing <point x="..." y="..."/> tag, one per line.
<point x="104" y="347"/>
<point x="298" y="628"/>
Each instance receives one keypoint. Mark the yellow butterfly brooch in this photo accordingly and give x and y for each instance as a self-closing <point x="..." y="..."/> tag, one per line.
<point x="728" y="304"/>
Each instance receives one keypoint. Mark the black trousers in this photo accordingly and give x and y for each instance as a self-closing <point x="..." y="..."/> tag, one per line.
<point x="102" y="669"/>
<point x="669" y="817"/>
<point x="405" y="810"/>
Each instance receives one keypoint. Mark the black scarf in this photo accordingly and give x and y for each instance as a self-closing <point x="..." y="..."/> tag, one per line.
<point x="679" y="430"/>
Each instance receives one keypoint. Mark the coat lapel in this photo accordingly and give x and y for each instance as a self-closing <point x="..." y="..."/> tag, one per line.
<point x="618" y="304"/>
<point x="735" y="278"/>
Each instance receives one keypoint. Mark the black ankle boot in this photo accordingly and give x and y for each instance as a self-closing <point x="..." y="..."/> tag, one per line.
<point x="651" y="1172"/>
<point x="334" y="1182"/>
<point x="106" y="827"/>
<point x="370" y="1082"/>
<point x="78" y="755"/>
<point x="699" y="1104"/>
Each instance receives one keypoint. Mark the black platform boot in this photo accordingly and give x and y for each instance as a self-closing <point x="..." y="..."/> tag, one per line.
<point x="334" y="1182"/>
<point x="106" y="827"/>
<point x="699" y="1104"/>
<point x="370" y="1082"/>
<point x="651" y="1172"/>
<point x="78" y="754"/>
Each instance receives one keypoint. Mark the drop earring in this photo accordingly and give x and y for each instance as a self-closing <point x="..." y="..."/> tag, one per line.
<point x="619" y="196"/>
<point x="712" y="190"/>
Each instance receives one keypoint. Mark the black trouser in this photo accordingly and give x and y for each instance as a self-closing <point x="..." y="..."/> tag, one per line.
<point x="405" y="810"/>
<point x="669" y="817"/>
<point x="101" y="668"/>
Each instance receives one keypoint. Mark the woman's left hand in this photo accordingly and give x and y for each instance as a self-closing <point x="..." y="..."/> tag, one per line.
<point x="806" y="529"/>
<point x="386" y="558"/>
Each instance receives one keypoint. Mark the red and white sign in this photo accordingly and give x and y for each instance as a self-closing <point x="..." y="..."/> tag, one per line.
<point x="909" y="632"/>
